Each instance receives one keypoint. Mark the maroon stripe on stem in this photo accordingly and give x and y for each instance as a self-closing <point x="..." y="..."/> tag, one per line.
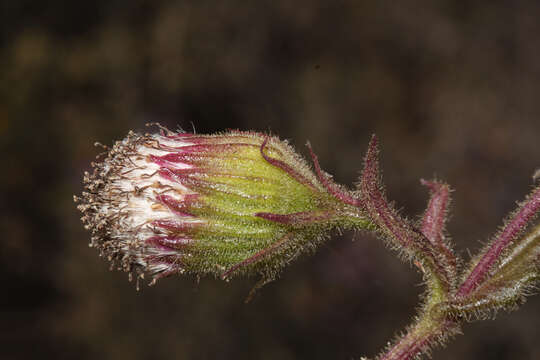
<point x="168" y="159"/>
<point x="285" y="167"/>
<point x="175" y="226"/>
<point x="179" y="207"/>
<point x="177" y="175"/>
<point x="298" y="218"/>
<point x="169" y="242"/>
<point x="207" y="147"/>
<point x="250" y="260"/>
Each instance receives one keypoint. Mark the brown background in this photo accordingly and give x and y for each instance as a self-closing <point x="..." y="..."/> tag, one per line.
<point x="450" y="87"/>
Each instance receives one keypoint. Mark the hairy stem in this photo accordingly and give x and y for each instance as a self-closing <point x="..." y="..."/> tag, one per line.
<point x="420" y="338"/>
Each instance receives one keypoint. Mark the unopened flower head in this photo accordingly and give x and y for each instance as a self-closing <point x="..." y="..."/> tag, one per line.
<point x="225" y="204"/>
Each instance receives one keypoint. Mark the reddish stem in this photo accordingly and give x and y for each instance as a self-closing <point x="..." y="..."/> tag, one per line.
<point x="418" y="340"/>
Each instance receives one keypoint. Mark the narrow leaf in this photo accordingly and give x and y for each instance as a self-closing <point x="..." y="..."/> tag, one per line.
<point x="518" y="222"/>
<point x="403" y="235"/>
<point x="513" y="279"/>
<point x="434" y="221"/>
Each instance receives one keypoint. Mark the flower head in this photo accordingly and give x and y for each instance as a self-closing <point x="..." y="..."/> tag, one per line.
<point x="225" y="204"/>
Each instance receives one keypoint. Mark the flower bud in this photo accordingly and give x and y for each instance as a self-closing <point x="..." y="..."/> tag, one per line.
<point x="225" y="204"/>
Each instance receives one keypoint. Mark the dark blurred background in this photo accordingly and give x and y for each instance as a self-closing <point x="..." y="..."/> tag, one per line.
<point x="450" y="87"/>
